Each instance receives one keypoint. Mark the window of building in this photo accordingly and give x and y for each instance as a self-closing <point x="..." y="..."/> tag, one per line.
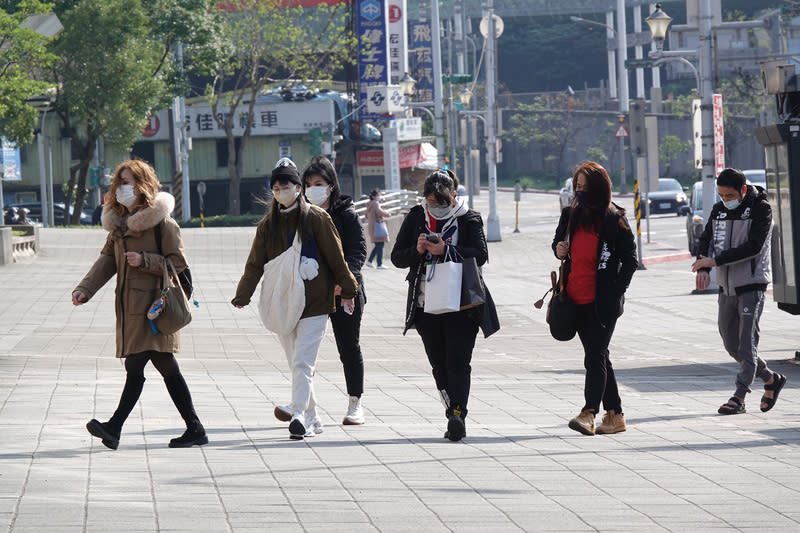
<point x="222" y="151"/>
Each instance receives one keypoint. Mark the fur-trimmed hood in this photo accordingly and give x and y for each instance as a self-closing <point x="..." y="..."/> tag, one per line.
<point x="144" y="218"/>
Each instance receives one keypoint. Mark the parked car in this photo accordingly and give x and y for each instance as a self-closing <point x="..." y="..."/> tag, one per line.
<point x="694" y="220"/>
<point x="35" y="212"/>
<point x="669" y="198"/>
<point x="565" y="194"/>
<point x="756" y="177"/>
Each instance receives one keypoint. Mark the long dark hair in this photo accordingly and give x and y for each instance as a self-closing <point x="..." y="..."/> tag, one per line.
<point x="274" y="238"/>
<point x="442" y="184"/>
<point x="588" y="212"/>
<point x="321" y="166"/>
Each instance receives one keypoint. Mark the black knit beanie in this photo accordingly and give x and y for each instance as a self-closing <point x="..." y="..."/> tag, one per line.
<point x="285" y="171"/>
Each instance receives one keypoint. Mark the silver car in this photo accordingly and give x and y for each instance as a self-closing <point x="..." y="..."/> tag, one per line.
<point x="565" y="194"/>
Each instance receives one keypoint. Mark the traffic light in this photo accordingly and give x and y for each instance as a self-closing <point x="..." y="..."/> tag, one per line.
<point x="315" y="141"/>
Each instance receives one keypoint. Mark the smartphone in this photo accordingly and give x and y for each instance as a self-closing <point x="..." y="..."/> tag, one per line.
<point x="432" y="237"/>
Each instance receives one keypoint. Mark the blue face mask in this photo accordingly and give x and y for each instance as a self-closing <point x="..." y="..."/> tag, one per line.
<point x="730" y="205"/>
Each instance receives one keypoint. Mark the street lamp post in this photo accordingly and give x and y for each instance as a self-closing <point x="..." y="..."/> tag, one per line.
<point x="611" y="33"/>
<point x="659" y="23"/>
<point x="493" y="220"/>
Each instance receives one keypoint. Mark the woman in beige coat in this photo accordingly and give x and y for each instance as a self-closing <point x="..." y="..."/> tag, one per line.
<point x="136" y="217"/>
<point x="376" y="227"/>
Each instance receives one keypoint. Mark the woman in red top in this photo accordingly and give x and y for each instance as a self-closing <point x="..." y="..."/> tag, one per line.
<point x="596" y="242"/>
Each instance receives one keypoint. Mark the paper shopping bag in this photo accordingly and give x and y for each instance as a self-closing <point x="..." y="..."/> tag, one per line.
<point x="443" y="288"/>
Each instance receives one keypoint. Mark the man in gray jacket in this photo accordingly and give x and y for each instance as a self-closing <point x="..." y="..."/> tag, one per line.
<point x="736" y="240"/>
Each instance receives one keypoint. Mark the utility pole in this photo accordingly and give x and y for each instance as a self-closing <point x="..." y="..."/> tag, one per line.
<point x="622" y="81"/>
<point x="181" y="146"/>
<point x="438" y="105"/>
<point x="707" y="107"/>
<point x="493" y="221"/>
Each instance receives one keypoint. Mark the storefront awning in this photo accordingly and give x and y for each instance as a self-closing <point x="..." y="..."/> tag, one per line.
<point x="422" y="156"/>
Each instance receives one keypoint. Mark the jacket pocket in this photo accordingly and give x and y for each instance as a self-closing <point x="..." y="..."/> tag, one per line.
<point x="140" y="294"/>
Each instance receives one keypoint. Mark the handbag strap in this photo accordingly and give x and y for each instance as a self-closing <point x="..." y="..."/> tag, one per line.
<point x="166" y="267"/>
<point x="561" y="285"/>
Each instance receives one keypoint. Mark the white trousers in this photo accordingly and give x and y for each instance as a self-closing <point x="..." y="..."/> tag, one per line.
<point x="301" y="347"/>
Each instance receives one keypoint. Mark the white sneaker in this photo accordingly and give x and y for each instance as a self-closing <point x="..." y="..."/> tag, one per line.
<point x="369" y="264"/>
<point x="314" y="427"/>
<point x="383" y="267"/>
<point x="355" y="414"/>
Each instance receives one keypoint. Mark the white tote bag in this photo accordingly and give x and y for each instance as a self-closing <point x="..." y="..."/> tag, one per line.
<point x="443" y="287"/>
<point x="283" y="293"/>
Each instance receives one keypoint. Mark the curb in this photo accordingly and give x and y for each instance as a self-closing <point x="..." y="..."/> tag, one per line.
<point x="667" y="258"/>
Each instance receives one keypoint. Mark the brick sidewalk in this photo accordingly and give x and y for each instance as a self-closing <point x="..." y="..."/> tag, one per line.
<point x="679" y="467"/>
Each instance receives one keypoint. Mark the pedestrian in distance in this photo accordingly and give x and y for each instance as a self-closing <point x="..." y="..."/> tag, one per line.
<point x="736" y="241"/>
<point x="597" y="245"/>
<point x="376" y="227"/>
<point x="136" y="216"/>
<point x="321" y="187"/>
<point x="444" y="226"/>
<point x="323" y="267"/>
<point x="22" y="216"/>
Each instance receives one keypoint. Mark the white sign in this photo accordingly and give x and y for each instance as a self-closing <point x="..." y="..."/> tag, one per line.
<point x="621" y="132"/>
<point x="697" y="134"/>
<point x="651" y="132"/>
<point x="408" y="129"/>
<point x="287" y="118"/>
<point x="285" y="148"/>
<point x="385" y="99"/>
<point x="391" y="157"/>
<point x="398" y="40"/>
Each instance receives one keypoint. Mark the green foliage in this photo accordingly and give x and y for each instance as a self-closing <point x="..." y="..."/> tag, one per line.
<point x="551" y="122"/>
<point x="266" y="42"/>
<point x="672" y="146"/>
<point x="22" y="56"/>
<point x="596" y="154"/>
<point x="526" y="183"/>
<point x="223" y="221"/>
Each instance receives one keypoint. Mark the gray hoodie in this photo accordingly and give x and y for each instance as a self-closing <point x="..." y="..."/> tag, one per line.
<point x="739" y="241"/>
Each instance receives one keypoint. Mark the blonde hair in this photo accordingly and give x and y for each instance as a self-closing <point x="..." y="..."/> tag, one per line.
<point x="146" y="184"/>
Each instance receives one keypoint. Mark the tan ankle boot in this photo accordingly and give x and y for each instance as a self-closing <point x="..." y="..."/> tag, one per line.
<point x="613" y="422"/>
<point x="584" y="422"/>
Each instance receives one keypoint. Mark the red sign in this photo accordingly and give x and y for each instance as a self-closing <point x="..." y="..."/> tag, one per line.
<point x="409" y="157"/>
<point x="719" y="136"/>
<point x="395" y="13"/>
<point x="621" y="132"/>
<point x="153" y="124"/>
<point x="239" y="5"/>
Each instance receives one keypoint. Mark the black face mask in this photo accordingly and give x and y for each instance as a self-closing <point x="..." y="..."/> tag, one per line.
<point x="581" y="198"/>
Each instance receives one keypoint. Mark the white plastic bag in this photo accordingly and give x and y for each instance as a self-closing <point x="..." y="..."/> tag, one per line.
<point x="283" y="293"/>
<point x="443" y="287"/>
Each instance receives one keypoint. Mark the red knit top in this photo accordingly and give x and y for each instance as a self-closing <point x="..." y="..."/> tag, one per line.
<point x="582" y="279"/>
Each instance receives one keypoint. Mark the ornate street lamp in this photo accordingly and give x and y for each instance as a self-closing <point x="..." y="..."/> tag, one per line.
<point x="407" y="84"/>
<point x="658" y="22"/>
<point x="465" y="95"/>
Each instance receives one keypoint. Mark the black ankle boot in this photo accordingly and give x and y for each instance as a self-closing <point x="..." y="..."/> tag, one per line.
<point x="104" y="431"/>
<point x="456" y="424"/>
<point x="182" y="398"/>
<point x="194" y="434"/>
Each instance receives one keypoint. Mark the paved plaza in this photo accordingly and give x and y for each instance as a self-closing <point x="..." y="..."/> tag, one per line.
<point x="679" y="467"/>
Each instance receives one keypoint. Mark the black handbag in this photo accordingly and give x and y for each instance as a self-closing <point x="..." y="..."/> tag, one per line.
<point x="561" y="311"/>
<point x="473" y="292"/>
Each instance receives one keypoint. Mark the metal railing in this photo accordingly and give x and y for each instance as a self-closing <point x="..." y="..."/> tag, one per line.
<point x="396" y="203"/>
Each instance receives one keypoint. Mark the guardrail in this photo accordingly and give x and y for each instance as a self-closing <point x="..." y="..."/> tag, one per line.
<point x="396" y="203"/>
<point x="14" y="248"/>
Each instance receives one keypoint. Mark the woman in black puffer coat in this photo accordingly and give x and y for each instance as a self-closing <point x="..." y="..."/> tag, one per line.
<point x="448" y="338"/>
<point x="321" y="187"/>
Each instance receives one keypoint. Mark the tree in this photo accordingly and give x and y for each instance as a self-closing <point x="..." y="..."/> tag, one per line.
<point x="22" y="56"/>
<point x="549" y="121"/>
<point x="269" y="42"/>
<point x="114" y="68"/>
<point x="672" y="146"/>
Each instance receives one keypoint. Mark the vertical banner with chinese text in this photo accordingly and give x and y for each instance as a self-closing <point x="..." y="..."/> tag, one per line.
<point x="398" y="40"/>
<point x="719" y="136"/>
<point x="421" y="52"/>
<point x="373" y="64"/>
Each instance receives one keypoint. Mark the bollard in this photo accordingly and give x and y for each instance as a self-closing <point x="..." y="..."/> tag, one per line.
<point x="637" y="208"/>
<point x="517" y="198"/>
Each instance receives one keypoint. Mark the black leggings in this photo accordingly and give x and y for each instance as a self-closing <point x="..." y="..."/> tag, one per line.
<point x="165" y="363"/>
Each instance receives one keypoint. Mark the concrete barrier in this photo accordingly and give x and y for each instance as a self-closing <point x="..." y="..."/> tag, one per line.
<point x="6" y="247"/>
<point x="14" y="248"/>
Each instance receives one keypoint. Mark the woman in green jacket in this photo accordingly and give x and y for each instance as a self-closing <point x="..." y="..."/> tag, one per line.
<point x="290" y="214"/>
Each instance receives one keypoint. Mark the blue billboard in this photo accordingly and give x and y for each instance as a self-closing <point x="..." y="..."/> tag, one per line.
<point x="11" y="161"/>
<point x="421" y="59"/>
<point x="373" y="59"/>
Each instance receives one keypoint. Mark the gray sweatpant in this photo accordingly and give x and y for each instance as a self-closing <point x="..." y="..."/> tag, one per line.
<point x="738" y="326"/>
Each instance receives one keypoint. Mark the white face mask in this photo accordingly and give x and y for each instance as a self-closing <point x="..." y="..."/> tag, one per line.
<point x="125" y="195"/>
<point x="286" y="197"/>
<point x="318" y="194"/>
<point x="439" y="212"/>
<point x="730" y="205"/>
